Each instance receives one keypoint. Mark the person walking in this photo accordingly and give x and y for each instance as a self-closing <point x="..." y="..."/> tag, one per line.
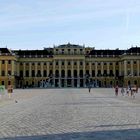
<point x="116" y="90"/>
<point x="89" y="88"/>
<point x="122" y="91"/>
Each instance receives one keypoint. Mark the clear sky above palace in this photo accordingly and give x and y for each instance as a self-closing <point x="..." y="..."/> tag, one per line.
<point x="103" y="24"/>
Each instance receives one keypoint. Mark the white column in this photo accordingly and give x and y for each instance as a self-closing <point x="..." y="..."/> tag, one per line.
<point x="120" y="69"/>
<point x="132" y="71"/>
<point x="54" y="67"/>
<point x="60" y="63"/>
<point x="42" y="69"/>
<point x="95" y="69"/>
<point x="6" y="68"/>
<point x="90" y="72"/>
<point x="30" y="69"/>
<point x="102" y="68"/>
<point x="24" y="71"/>
<point x="13" y="68"/>
<point x="125" y="68"/>
<point x="138" y="68"/>
<point x="72" y="68"/>
<point x="78" y="80"/>
<point x="35" y="69"/>
<point x="114" y="72"/>
<point x="54" y="73"/>
<point x="72" y="63"/>
<point x="107" y="67"/>
<point x="66" y="71"/>
<point x="84" y="68"/>
<point x="0" y="67"/>
<point x="48" y="68"/>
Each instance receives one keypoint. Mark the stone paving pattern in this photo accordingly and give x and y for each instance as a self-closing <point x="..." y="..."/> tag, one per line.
<point x="69" y="114"/>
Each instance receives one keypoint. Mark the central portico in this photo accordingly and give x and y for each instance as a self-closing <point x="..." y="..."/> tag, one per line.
<point x="69" y="66"/>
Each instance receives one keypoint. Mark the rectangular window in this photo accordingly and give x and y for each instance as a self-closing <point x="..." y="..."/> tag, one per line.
<point x="93" y="73"/>
<point x="62" y="63"/>
<point x="33" y="73"/>
<point x="56" y="63"/>
<point x="2" y="83"/>
<point x="81" y="63"/>
<point x="68" y="63"/>
<point x="9" y="72"/>
<point x="21" y="73"/>
<point x="128" y="62"/>
<point x="3" y="62"/>
<point x="45" y="73"/>
<point x="3" y="73"/>
<point x="27" y="73"/>
<point x="9" y="61"/>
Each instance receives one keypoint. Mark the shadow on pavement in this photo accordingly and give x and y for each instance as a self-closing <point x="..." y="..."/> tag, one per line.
<point x="127" y="134"/>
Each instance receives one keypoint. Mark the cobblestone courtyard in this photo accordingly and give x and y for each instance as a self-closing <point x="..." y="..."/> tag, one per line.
<point x="69" y="114"/>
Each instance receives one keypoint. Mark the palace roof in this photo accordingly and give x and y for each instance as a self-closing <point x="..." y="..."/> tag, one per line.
<point x="70" y="46"/>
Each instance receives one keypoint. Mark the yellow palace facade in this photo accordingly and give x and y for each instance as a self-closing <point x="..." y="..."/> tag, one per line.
<point x="69" y="65"/>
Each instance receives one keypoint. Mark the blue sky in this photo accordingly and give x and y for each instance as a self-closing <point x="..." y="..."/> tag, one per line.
<point x="103" y="24"/>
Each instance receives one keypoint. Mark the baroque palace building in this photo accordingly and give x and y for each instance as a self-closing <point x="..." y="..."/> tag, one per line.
<point x="69" y="65"/>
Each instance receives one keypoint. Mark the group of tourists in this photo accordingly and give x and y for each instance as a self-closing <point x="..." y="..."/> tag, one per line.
<point x="129" y="90"/>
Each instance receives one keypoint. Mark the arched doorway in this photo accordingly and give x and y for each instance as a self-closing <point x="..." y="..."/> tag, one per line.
<point x="56" y="73"/>
<point x="81" y="73"/>
<point x="63" y="73"/>
<point x="75" y="73"/>
<point x="69" y="73"/>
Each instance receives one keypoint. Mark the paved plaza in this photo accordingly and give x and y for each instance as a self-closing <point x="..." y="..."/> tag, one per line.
<point x="69" y="114"/>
